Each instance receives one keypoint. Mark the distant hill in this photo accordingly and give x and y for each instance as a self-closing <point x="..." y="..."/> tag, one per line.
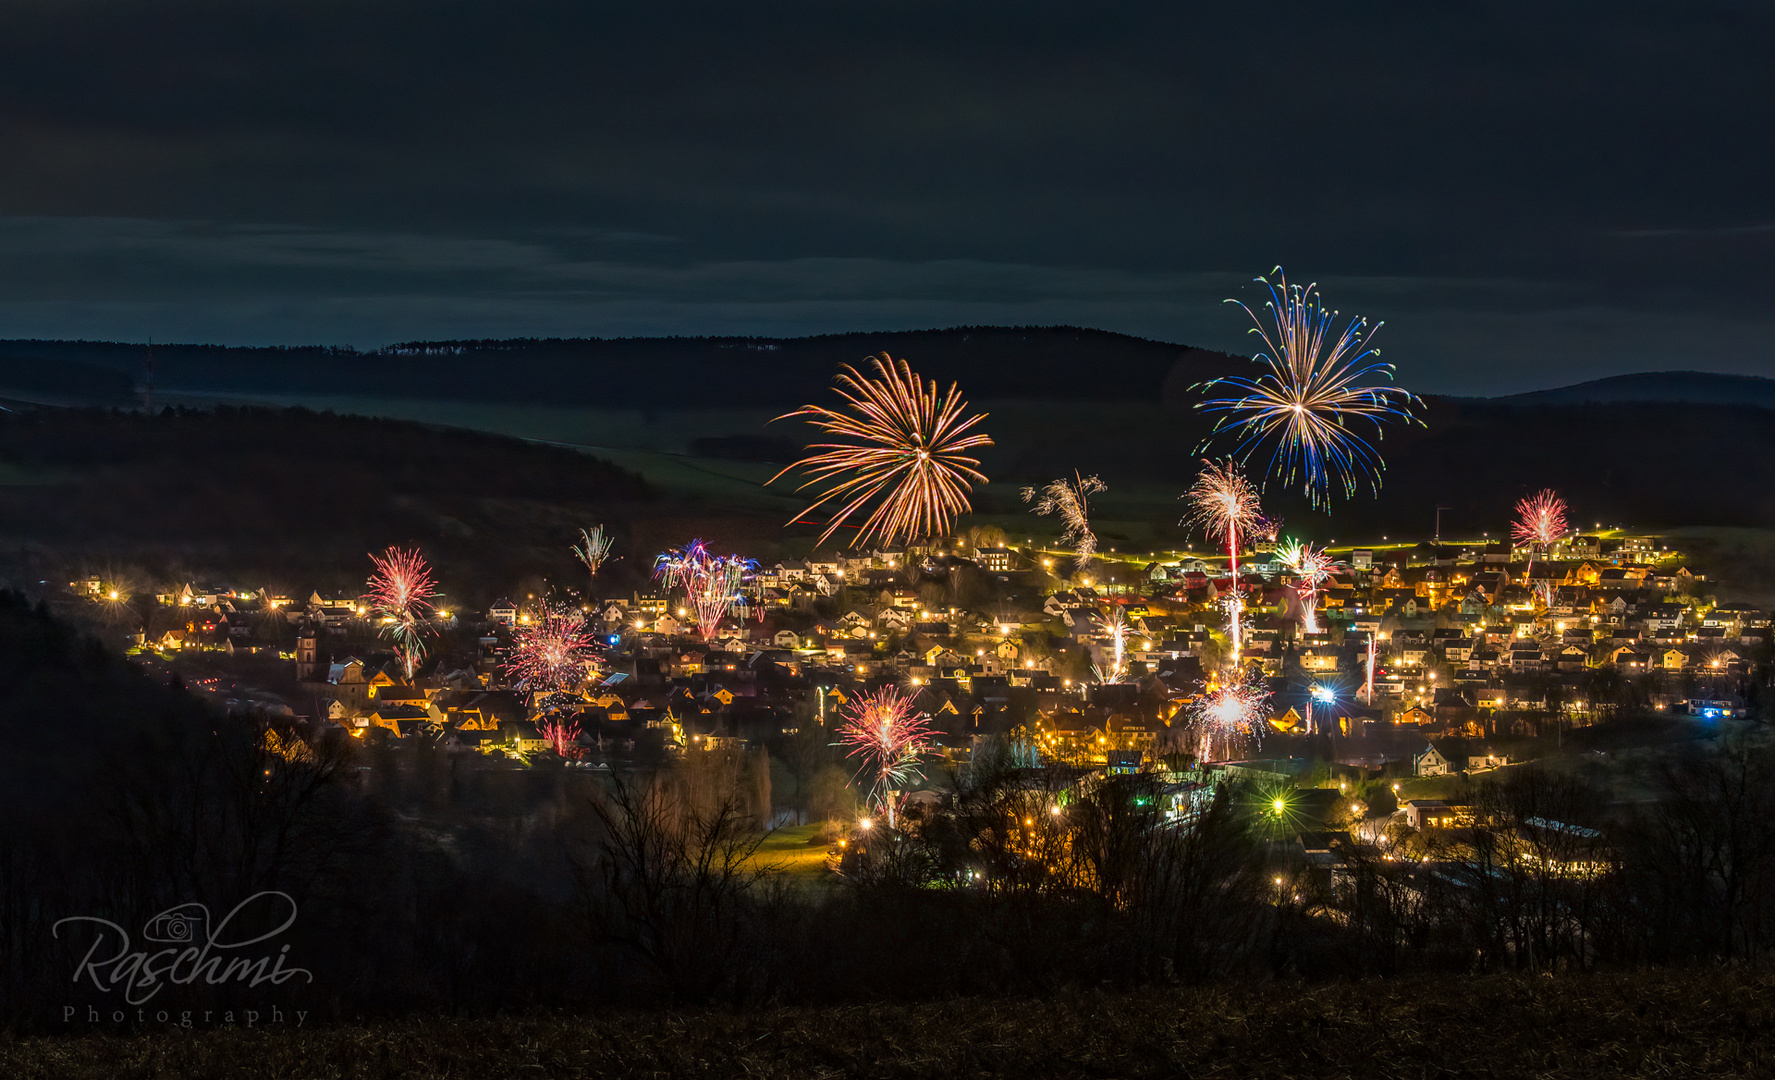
<point x="1696" y="387"/>
<point x="297" y="497"/>
<point x="989" y="362"/>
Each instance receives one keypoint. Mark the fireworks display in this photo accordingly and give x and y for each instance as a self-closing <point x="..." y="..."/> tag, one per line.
<point x="1222" y="502"/>
<point x="1069" y="500"/>
<point x="399" y="597"/>
<point x="1231" y="713"/>
<point x="906" y="449"/>
<point x="1540" y="520"/>
<point x="562" y="736"/>
<point x="593" y="549"/>
<point x="713" y="585"/>
<point x="553" y="653"/>
<point x="1115" y="626"/>
<point x="1317" y="386"/>
<point x="1540" y="523"/>
<point x="884" y="731"/>
<point x="1368" y="677"/>
<point x="1314" y="567"/>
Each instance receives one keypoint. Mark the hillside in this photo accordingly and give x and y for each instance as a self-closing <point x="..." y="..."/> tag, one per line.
<point x="291" y="498"/>
<point x="623" y="372"/>
<point x="1695" y="387"/>
<point x="686" y="425"/>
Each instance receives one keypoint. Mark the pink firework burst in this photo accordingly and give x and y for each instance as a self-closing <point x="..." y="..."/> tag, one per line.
<point x="399" y="597"/>
<point x="553" y="653"/>
<point x="714" y="585"/>
<point x="1314" y="567"/>
<point x="882" y="729"/>
<point x="562" y="736"/>
<point x="1540" y="519"/>
<point x="1540" y="523"/>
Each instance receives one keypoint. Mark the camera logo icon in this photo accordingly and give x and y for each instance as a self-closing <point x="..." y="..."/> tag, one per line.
<point x="182" y="925"/>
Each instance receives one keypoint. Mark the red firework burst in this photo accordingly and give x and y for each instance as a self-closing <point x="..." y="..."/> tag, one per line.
<point x="400" y="594"/>
<point x="553" y="653"/>
<point x="1540" y="519"/>
<point x="562" y="736"/>
<point x="889" y="736"/>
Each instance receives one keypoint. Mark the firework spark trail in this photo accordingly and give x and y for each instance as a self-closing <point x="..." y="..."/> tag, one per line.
<point x="713" y="585"/>
<point x="399" y="597"/>
<point x="1315" y="387"/>
<point x="1231" y="713"/>
<point x="1314" y="566"/>
<point x="553" y="653"/>
<point x="882" y="729"/>
<point x="907" y="449"/>
<point x="1070" y="500"/>
<point x="593" y="549"/>
<point x="1115" y="624"/>
<point x="1223" y="501"/>
<point x="562" y="736"/>
<point x="1368" y="679"/>
<point x="1540" y="523"/>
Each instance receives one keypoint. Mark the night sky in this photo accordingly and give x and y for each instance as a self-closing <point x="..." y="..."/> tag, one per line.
<point x="1528" y="195"/>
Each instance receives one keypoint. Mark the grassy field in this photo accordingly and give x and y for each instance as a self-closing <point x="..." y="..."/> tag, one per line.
<point x="1661" y="1024"/>
<point x="797" y="851"/>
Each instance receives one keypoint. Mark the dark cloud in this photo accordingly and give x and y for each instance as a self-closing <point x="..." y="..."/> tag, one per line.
<point x="1525" y="195"/>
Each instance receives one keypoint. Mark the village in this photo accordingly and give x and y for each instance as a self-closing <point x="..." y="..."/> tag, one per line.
<point x="1427" y="659"/>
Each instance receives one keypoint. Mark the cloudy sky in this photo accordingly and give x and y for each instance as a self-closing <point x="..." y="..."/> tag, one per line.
<point x="1527" y="194"/>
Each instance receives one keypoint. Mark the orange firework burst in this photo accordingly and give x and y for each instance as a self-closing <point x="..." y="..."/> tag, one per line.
<point x="907" y="450"/>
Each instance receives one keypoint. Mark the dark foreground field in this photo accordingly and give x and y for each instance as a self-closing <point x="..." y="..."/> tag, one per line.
<point x="1664" y="1024"/>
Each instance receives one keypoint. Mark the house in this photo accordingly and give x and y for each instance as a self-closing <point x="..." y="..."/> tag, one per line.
<point x="503" y="612"/>
<point x="994" y="560"/>
<point x="1436" y="814"/>
<point x="1431" y="762"/>
<point x="1489" y="759"/>
<point x="400" y="719"/>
